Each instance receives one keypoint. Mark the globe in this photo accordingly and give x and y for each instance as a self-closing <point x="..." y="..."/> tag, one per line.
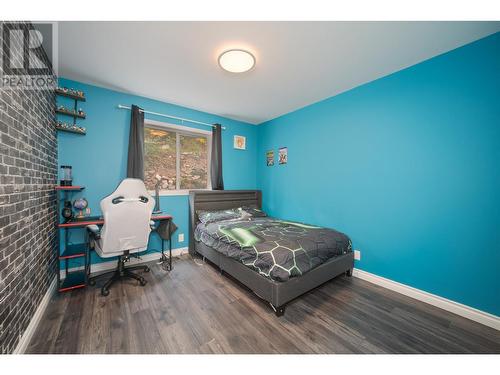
<point x="80" y="204"/>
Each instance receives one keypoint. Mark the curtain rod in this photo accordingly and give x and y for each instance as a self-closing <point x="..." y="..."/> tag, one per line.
<point x="121" y="106"/>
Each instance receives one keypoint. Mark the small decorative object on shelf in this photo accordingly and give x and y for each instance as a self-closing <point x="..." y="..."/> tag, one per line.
<point x="67" y="212"/>
<point x="80" y="204"/>
<point x="61" y="125"/>
<point x="66" y="175"/>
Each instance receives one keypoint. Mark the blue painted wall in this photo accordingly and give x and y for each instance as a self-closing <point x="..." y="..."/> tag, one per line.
<point x="409" y="167"/>
<point x="99" y="158"/>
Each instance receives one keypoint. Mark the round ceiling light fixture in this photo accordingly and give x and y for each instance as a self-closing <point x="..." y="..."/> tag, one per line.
<point x="236" y="61"/>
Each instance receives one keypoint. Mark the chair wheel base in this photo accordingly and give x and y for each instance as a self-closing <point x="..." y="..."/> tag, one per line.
<point x="121" y="272"/>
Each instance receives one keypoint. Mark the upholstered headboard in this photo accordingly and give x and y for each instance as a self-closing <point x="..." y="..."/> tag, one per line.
<point x="218" y="200"/>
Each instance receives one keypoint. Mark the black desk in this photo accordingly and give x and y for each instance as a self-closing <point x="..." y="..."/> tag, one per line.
<point x="79" y="279"/>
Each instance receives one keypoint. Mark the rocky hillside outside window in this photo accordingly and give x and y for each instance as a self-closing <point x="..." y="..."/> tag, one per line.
<point x="176" y="159"/>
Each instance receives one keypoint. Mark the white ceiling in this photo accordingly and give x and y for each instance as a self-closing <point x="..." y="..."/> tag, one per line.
<point x="298" y="63"/>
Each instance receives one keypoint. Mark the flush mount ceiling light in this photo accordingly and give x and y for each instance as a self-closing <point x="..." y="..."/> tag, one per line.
<point x="236" y="61"/>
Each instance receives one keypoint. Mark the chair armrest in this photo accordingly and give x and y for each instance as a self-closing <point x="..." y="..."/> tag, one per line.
<point x="94" y="231"/>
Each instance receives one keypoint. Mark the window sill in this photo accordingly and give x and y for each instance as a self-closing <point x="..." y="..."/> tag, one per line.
<point x="168" y="193"/>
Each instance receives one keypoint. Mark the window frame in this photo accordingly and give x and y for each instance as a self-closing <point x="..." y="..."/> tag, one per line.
<point x="187" y="131"/>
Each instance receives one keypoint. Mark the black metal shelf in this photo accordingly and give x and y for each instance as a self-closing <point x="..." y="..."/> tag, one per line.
<point x="73" y="280"/>
<point x="69" y="95"/>
<point x="74" y="251"/>
<point x="71" y="130"/>
<point x="70" y="113"/>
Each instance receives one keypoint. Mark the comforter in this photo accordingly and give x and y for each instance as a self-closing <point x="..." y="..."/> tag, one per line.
<point x="277" y="249"/>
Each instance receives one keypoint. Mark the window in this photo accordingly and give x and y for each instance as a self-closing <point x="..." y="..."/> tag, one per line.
<point x="176" y="156"/>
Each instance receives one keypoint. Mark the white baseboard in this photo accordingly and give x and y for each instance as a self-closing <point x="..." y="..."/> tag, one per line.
<point x="465" y="311"/>
<point x="106" y="266"/>
<point x="23" y="343"/>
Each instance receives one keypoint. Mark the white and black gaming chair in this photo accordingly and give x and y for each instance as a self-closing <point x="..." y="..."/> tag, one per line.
<point x="127" y="225"/>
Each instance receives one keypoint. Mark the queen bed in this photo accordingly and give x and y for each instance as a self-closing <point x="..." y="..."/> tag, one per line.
<point x="278" y="260"/>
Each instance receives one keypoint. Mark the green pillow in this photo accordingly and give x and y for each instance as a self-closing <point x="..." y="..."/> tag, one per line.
<point x="207" y="217"/>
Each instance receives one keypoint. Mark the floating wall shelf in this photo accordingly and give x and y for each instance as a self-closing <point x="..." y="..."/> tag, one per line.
<point x="69" y="113"/>
<point x="69" y="130"/>
<point x="70" y="95"/>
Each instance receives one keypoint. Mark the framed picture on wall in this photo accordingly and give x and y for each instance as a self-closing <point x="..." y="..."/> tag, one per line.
<point x="240" y="142"/>
<point x="283" y="155"/>
<point x="270" y="158"/>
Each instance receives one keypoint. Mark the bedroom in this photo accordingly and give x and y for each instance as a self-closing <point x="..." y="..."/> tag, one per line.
<point x="250" y="187"/>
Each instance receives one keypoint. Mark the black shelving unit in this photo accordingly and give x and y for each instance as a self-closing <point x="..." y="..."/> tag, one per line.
<point x="74" y="251"/>
<point x="71" y="113"/>
<point x="74" y="279"/>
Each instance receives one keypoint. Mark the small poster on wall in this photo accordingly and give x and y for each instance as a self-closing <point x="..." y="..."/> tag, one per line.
<point x="283" y="155"/>
<point x="270" y="158"/>
<point x="240" y="142"/>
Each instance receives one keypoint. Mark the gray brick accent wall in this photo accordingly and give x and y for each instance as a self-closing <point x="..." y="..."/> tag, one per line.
<point x="28" y="173"/>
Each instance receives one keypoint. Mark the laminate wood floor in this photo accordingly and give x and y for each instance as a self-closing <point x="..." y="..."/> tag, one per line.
<point x="194" y="309"/>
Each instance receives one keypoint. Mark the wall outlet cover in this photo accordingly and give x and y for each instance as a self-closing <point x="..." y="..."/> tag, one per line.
<point x="181" y="237"/>
<point x="357" y="255"/>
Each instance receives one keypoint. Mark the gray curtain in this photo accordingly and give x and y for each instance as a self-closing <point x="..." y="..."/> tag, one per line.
<point x="135" y="163"/>
<point x="216" y="160"/>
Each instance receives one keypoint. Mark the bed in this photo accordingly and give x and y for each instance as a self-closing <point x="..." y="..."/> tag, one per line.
<point x="242" y="248"/>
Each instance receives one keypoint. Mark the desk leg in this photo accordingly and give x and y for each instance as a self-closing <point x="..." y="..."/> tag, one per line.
<point x="170" y="252"/>
<point x="163" y="250"/>
<point x="163" y="260"/>
<point x="168" y="267"/>
<point x="87" y="257"/>
<point x="66" y="242"/>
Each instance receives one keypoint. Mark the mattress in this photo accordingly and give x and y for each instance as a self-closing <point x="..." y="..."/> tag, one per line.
<point x="276" y="249"/>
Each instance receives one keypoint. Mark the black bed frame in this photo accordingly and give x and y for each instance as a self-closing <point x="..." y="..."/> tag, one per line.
<point x="275" y="292"/>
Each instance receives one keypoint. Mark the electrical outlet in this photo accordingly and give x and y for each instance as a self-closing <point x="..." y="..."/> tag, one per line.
<point x="181" y="237"/>
<point x="357" y="254"/>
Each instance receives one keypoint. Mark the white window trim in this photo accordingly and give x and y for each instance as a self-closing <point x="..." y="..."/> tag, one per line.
<point x="180" y="129"/>
<point x="167" y="193"/>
